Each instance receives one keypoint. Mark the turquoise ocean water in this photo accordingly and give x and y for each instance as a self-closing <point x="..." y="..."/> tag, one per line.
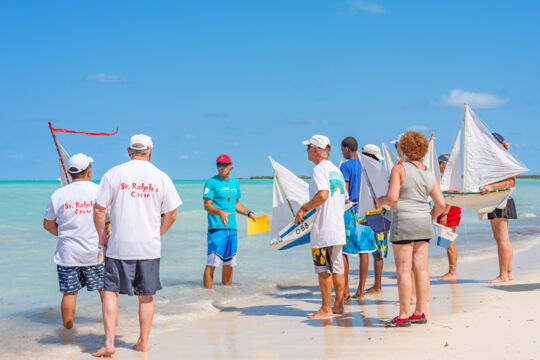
<point x="29" y="296"/>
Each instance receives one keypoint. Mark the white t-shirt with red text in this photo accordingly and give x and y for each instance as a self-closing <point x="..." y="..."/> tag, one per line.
<point x="72" y="206"/>
<point x="135" y="193"/>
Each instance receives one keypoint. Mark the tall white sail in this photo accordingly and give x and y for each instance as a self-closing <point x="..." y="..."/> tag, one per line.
<point x="374" y="183"/>
<point x="376" y="175"/>
<point x="390" y="159"/>
<point x="65" y="158"/>
<point x="286" y="204"/>
<point x="451" y="179"/>
<point x="486" y="160"/>
<point x="281" y="212"/>
<point x="295" y="189"/>
<point x="431" y="159"/>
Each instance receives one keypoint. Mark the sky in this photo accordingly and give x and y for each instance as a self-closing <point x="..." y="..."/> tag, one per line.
<point x="253" y="79"/>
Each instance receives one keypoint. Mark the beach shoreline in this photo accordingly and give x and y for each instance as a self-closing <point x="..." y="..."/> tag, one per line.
<point x="467" y="319"/>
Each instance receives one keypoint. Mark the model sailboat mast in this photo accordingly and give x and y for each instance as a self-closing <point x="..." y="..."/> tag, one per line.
<point x="63" y="170"/>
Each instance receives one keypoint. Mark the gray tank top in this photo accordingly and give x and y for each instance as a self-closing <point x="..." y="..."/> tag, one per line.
<point x="411" y="217"/>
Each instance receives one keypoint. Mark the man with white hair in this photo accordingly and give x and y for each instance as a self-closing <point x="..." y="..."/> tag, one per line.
<point x="327" y="194"/>
<point x="69" y="216"/>
<point x="136" y="193"/>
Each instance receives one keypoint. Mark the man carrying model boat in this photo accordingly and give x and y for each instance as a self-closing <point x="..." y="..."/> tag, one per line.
<point x="327" y="193"/>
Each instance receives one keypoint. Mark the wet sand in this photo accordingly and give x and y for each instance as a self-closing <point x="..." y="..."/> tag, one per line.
<point x="467" y="319"/>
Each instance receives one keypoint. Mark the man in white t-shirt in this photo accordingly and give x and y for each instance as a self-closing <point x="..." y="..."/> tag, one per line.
<point x="327" y="194"/>
<point x="135" y="193"/>
<point x="70" y="216"/>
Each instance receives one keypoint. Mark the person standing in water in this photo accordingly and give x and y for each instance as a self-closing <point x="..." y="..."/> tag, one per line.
<point x="70" y="216"/>
<point x="222" y="200"/>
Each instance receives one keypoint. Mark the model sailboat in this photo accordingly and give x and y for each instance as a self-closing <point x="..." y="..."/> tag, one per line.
<point x="290" y="193"/>
<point x="63" y="156"/>
<point x="485" y="161"/>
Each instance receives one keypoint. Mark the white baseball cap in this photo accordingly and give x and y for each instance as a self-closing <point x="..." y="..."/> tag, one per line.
<point x="373" y="150"/>
<point x="78" y="163"/>
<point x="140" y="142"/>
<point x="319" y="141"/>
<point x="396" y="140"/>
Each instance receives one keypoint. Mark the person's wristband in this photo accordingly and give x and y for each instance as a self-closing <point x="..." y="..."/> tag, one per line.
<point x="444" y="213"/>
<point x="249" y="212"/>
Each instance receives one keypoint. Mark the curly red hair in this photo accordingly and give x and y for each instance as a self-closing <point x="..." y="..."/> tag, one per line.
<point x="414" y="145"/>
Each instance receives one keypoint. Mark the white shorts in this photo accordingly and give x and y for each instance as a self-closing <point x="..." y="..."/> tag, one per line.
<point x="215" y="261"/>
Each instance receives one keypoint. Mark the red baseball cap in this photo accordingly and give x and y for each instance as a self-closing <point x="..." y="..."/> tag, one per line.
<point x="223" y="158"/>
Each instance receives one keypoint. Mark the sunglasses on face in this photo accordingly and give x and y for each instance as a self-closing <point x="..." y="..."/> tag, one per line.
<point x="222" y="164"/>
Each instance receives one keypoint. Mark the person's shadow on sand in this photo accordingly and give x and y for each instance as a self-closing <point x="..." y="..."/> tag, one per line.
<point x="88" y="342"/>
<point x="518" y="287"/>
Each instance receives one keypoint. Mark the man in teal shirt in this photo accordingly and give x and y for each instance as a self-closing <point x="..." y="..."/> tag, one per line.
<point x="221" y="201"/>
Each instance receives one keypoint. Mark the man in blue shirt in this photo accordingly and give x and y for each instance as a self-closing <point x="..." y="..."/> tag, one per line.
<point x="360" y="239"/>
<point x="221" y="201"/>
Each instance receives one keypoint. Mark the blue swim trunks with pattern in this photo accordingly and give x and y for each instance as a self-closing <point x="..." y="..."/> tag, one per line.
<point x="74" y="278"/>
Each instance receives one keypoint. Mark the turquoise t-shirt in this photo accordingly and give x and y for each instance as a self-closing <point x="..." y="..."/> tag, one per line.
<point x="223" y="193"/>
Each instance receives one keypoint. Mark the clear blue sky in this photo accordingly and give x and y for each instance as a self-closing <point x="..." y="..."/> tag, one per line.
<point x="255" y="78"/>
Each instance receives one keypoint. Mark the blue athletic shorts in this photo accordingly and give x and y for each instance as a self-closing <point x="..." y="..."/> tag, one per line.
<point x="74" y="278"/>
<point x="222" y="242"/>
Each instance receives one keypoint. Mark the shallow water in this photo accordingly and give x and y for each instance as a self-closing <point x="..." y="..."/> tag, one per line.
<point x="29" y="300"/>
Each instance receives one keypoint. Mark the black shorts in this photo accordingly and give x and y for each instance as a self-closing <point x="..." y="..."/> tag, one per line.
<point x="509" y="212"/>
<point x="405" y="242"/>
<point x="132" y="277"/>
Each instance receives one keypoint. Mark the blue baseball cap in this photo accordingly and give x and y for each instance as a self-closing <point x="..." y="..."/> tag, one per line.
<point x="498" y="137"/>
<point x="444" y="158"/>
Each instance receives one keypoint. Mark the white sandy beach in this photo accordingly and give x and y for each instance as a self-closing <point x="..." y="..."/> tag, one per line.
<point x="470" y="319"/>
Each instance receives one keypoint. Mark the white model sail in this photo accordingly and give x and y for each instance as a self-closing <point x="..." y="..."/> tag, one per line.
<point x="431" y="159"/>
<point x="486" y="160"/>
<point x="374" y="183"/>
<point x="63" y="169"/>
<point x="290" y="193"/>
<point x="390" y="159"/>
<point x="451" y="179"/>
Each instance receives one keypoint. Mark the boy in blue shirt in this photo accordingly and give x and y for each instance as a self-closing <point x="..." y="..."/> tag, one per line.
<point x="221" y="201"/>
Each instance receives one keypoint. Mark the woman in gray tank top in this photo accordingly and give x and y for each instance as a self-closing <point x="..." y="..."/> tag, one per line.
<point x="411" y="184"/>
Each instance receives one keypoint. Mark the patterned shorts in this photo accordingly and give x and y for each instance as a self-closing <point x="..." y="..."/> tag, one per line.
<point x="74" y="278"/>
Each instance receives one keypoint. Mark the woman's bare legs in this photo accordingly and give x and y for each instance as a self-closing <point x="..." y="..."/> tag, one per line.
<point x="421" y="275"/>
<point x="504" y="250"/>
<point x="403" y="255"/>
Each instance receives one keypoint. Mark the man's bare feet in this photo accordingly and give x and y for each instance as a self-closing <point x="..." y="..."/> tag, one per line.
<point x="449" y="276"/>
<point x="321" y="314"/>
<point x="510" y="275"/>
<point x="373" y="291"/>
<point x="104" y="351"/>
<point x="338" y="309"/>
<point x="359" y="296"/>
<point x="140" y="346"/>
<point x="499" y="279"/>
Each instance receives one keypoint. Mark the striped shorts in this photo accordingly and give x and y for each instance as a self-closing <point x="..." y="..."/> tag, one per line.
<point x="74" y="278"/>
